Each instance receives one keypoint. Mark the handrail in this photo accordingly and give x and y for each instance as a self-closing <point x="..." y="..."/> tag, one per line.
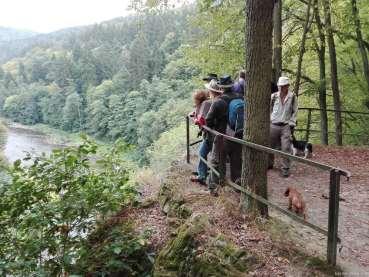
<point x="333" y="110"/>
<point x="280" y="153"/>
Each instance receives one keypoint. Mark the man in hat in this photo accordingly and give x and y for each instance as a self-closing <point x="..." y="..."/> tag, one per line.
<point x="232" y="149"/>
<point x="283" y="117"/>
<point x="211" y="76"/>
<point x="217" y="119"/>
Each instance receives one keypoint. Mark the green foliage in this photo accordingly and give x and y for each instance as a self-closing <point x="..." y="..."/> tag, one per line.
<point x="115" y="249"/>
<point x="50" y="208"/>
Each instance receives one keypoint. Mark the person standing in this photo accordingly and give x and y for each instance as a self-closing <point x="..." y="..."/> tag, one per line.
<point x="202" y="105"/>
<point x="216" y="119"/>
<point x="283" y="115"/>
<point x="239" y="86"/>
<point x="232" y="149"/>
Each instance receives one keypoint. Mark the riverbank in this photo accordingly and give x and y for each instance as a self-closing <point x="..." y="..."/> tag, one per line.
<point x="3" y="138"/>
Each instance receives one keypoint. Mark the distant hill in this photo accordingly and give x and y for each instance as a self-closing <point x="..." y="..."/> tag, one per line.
<point x="9" y="34"/>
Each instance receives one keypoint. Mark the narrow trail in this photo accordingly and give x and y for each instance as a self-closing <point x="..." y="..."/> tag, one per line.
<point x="354" y="206"/>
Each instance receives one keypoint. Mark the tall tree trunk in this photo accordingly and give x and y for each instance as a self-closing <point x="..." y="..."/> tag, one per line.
<point x="322" y="99"/>
<point x="334" y="74"/>
<point x="259" y="28"/>
<point x="306" y="29"/>
<point x="360" y="41"/>
<point x="277" y="40"/>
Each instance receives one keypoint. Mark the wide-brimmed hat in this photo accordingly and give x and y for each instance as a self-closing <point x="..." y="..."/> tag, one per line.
<point x="213" y="86"/>
<point x="283" y="81"/>
<point x="225" y="82"/>
<point x="211" y="76"/>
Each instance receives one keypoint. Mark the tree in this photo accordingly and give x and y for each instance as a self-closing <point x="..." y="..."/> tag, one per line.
<point x="322" y="98"/>
<point x="259" y="29"/>
<point x="360" y="41"/>
<point x="307" y="25"/>
<point x="277" y="40"/>
<point x="72" y="113"/>
<point x="334" y="74"/>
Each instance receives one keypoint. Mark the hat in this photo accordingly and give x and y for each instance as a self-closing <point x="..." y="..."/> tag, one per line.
<point x="213" y="86"/>
<point x="283" y="81"/>
<point x="225" y="82"/>
<point x="211" y="76"/>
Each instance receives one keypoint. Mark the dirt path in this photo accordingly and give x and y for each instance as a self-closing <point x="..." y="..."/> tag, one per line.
<point x="354" y="208"/>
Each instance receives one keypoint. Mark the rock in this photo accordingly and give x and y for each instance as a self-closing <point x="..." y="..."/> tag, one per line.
<point x="189" y="254"/>
<point x="172" y="201"/>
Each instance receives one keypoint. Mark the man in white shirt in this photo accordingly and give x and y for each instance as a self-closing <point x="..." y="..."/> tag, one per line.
<point x="283" y="114"/>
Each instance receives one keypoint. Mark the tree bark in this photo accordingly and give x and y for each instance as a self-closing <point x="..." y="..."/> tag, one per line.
<point x="334" y="74"/>
<point x="360" y="41"/>
<point x="322" y="99"/>
<point x="306" y="29"/>
<point x="259" y="28"/>
<point x="277" y="40"/>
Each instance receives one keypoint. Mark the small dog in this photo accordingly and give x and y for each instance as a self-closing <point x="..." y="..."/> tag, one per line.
<point x="301" y="147"/>
<point x="295" y="201"/>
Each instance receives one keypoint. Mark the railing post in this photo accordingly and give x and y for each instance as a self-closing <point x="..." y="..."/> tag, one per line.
<point x="188" y="139"/>
<point x="334" y="192"/>
<point x="308" y="125"/>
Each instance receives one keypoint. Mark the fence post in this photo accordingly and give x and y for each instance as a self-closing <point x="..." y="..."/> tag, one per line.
<point x="188" y="139"/>
<point x="308" y="125"/>
<point x="334" y="192"/>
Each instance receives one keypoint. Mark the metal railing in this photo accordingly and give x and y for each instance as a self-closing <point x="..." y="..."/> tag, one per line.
<point x="334" y="187"/>
<point x="349" y="118"/>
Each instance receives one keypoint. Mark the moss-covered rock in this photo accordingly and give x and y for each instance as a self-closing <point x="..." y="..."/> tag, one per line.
<point x="172" y="201"/>
<point x="194" y="251"/>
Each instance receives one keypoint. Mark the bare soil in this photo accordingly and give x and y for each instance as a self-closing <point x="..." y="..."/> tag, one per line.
<point x="354" y="205"/>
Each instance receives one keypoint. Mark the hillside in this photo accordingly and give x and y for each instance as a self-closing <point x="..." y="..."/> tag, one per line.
<point x="9" y="34"/>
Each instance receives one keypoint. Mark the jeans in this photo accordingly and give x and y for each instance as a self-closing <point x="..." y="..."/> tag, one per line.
<point x="204" y="150"/>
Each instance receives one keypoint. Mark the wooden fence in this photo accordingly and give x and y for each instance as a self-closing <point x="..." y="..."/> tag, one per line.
<point x="334" y="187"/>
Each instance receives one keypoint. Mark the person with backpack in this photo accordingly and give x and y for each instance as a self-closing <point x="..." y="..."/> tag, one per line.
<point x="283" y="115"/>
<point x="202" y="106"/>
<point x="235" y="122"/>
<point x="218" y="119"/>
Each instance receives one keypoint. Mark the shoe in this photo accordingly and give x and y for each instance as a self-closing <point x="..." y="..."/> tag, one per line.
<point x="198" y="180"/>
<point x="195" y="173"/>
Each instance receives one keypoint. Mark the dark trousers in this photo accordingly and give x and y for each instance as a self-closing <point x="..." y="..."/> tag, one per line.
<point x="234" y="152"/>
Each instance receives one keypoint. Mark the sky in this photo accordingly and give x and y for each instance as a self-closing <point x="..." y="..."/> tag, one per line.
<point x="50" y="15"/>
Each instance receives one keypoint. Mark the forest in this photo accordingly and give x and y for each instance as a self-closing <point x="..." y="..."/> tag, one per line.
<point x="128" y="82"/>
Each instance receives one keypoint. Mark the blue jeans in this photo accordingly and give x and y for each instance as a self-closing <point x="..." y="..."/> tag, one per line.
<point x="204" y="150"/>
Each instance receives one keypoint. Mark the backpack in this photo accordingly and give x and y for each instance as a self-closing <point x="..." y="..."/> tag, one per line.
<point x="236" y="115"/>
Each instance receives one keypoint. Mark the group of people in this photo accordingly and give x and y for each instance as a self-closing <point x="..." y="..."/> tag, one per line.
<point x="220" y="106"/>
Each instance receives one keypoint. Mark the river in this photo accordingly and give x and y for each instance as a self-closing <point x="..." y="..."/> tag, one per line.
<point x="21" y="140"/>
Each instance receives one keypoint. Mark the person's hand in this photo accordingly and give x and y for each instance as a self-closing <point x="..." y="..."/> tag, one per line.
<point x="200" y="121"/>
<point x="191" y="114"/>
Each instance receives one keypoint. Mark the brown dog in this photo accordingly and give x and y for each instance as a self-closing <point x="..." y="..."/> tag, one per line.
<point x="295" y="201"/>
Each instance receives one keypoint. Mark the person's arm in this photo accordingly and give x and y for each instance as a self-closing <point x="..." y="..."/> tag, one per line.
<point x="211" y="116"/>
<point x="295" y="107"/>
